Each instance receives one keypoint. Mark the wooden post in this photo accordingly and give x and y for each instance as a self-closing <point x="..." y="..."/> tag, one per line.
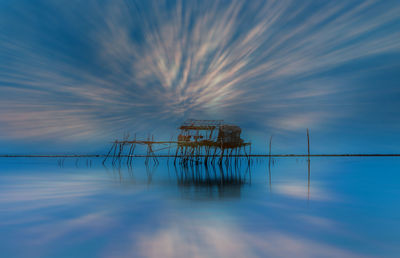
<point x="308" y="144"/>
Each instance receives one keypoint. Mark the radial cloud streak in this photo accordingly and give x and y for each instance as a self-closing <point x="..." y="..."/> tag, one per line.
<point x="94" y="69"/>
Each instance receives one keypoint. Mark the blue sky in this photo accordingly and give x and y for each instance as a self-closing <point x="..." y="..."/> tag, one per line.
<point x="75" y="75"/>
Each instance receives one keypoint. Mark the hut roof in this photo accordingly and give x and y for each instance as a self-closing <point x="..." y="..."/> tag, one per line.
<point x="193" y="124"/>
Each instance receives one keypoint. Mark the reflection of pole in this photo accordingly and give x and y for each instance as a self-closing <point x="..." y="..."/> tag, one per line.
<point x="249" y="153"/>
<point x="308" y="193"/>
<point x="308" y="143"/>
<point x="221" y="156"/>
<point x="269" y="163"/>
<point x="129" y="154"/>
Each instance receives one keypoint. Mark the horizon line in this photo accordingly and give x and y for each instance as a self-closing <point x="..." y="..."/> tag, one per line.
<point x="173" y="156"/>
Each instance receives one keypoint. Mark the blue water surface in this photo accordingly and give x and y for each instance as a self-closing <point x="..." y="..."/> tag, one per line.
<point x="341" y="207"/>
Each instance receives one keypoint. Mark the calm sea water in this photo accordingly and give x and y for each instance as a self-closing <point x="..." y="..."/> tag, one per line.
<point x="350" y="207"/>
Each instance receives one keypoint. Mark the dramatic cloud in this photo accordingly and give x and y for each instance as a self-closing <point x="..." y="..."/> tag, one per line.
<point x="90" y="69"/>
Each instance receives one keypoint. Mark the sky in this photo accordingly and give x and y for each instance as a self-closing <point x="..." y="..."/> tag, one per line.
<point x="75" y="75"/>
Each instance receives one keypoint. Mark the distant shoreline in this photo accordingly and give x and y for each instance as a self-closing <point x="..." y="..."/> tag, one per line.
<point x="173" y="156"/>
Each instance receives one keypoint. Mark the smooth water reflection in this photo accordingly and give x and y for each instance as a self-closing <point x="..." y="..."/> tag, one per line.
<point x="345" y="207"/>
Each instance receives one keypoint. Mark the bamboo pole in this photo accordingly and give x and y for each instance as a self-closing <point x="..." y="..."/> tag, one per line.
<point x="308" y="145"/>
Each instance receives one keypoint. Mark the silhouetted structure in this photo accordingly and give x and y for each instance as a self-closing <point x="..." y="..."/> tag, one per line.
<point x="199" y="141"/>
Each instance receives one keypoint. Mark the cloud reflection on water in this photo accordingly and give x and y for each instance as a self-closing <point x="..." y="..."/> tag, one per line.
<point x="198" y="238"/>
<point x="298" y="190"/>
<point x="48" y="212"/>
<point x="32" y="192"/>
